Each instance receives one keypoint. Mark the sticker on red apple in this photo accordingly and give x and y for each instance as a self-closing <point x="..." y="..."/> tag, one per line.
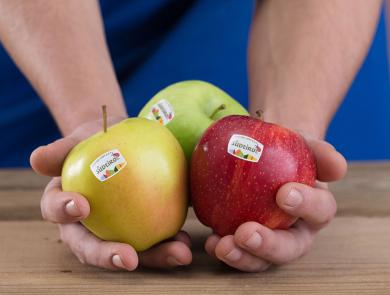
<point x="108" y="164"/>
<point x="161" y="112"/>
<point x="245" y="148"/>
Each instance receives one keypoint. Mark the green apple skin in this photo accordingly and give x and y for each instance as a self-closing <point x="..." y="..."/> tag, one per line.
<point x="147" y="200"/>
<point x="194" y="103"/>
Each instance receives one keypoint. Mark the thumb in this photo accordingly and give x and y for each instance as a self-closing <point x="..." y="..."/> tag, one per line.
<point x="48" y="159"/>
<point x="331" y="165"/>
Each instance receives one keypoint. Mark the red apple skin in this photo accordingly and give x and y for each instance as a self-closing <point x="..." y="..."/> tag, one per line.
<point x="227" y="191"/>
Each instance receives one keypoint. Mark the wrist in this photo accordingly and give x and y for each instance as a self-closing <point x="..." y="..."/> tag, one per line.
<point x="93" y="113"/>
<point x="305" y="121"/>
<point x="75" y="113"/>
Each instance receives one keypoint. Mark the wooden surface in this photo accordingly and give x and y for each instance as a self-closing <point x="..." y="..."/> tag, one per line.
<point x="351" y="256"/>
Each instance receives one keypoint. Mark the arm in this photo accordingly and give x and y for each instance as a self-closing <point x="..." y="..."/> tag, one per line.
<point x="60" y="47"/>
<point x="303" y="55"/>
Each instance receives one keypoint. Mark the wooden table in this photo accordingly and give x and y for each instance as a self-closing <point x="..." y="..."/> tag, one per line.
<point x="351" y="256"/>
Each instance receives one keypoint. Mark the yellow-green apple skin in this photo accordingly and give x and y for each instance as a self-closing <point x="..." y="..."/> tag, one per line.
<point x="143" y="203"/>
<point x="194" y="103"/>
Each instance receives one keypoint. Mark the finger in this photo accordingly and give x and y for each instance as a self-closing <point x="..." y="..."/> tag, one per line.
<point x="331" y="165"/>
<point x="63" y="207"/>
<point x="184" y="237"/>
<point x="211" y="244"/>
<point x="227" y="251"/>
<point x="316" y="206"/>
<point x="276" y="246"/>
<point x="166" y="255"/>
<point x="93" y="251"/>
<point x="47" y="160"/>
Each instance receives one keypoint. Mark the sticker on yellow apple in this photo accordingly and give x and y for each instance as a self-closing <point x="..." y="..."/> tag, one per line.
<point x="245" y="148"/>
<point x="161" y="112"/>
<point x="108" y="164"/>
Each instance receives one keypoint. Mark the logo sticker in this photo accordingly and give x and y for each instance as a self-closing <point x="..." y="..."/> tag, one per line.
<point x="108" y="164"/>
<point x="161" y="112"/>
<point x="245" y="148"/>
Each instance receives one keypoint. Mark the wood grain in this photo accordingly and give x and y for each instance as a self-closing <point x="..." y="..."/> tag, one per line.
<point x="351" y="256"/>
<point x="365" y="191"/>
<point x="21" y="179"/>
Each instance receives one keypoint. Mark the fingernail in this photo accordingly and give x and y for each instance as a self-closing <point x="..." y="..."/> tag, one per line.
<point x="117" y="261"/>
<point x="254" y="241"/>
<point x="293" y="199"/>
<point x="72" y="209"/>
<point x="172" y="261"/>
<point x="233" y="255"/>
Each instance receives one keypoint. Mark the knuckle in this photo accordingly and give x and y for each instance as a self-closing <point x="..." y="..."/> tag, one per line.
<point x="91" y="255"/>
<point x="86" y="251"/>
<point x="80" y="258"/>
<point x="308" y="246"/>
<point x="272" y="248"/>
<point x="265" y="266"/>
<point x="304" y="247"/>
<point x="295" y="252"/>
<point x="330" y="212"/>
<point x="44" y="208"/>
<point x="103" y="261"/>
<point x="327" y="219"/>
<point x="259" y="267"/>
<point x="44" y="215"/>
<point x="51" y="212"/>
<point x="305" y="244"/>
<point x="78" y="250"/>
<point x="269" y="244"/>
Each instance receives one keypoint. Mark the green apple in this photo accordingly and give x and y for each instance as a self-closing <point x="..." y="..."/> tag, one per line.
<point x="134" y="177"/>
<point x="187" y="108"/>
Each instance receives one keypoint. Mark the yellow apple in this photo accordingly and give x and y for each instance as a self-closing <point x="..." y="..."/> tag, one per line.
<point x="134" y="177"/>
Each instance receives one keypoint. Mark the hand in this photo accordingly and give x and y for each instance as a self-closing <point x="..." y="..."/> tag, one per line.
<point x="68" y="208"/>
<point x="254" y="247"/>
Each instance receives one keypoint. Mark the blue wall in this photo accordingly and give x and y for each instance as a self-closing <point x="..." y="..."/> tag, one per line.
<point x="361" y="127"/>
<point x="208" y="43"/>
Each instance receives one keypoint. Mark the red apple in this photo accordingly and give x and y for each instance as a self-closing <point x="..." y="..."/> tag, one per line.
<point x="237" y="168"/>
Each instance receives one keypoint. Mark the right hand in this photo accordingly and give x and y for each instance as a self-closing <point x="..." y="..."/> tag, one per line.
<point x="68" y="208"/>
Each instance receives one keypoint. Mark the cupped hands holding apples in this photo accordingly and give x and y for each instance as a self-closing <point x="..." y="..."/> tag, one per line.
<point x="128" y="184"/>
<point x="69" y="208"/>
<point x="252" y="246"/>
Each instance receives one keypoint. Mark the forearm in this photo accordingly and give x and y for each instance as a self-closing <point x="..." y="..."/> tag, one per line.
<point x="303" y="56"/>
<point x="61" y="49"/>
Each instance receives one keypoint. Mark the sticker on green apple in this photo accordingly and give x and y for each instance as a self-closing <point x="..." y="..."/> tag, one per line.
<point x="108" y="164"/>
<point x="245" y="148"/>
<point x="161" y="112"/>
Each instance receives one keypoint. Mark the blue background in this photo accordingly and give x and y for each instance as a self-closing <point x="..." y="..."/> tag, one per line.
<point x="156" y="43"/>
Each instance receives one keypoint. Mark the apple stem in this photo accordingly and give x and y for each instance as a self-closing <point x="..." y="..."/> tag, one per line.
<point x="104" y="109"/>
<point x="259" y="114"/>
<point x="220" y="108"/>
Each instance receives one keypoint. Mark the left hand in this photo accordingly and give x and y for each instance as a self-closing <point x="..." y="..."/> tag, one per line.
<point x="254" y="247"/>
<point x="67" y="209"/>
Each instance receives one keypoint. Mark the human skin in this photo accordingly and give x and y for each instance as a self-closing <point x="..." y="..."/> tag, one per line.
<point x="301" y="53"/>
<point x="303" y="56"/>
<point x="61" y="49"/>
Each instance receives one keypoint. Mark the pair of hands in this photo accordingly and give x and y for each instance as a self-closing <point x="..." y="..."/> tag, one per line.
<point x="252" y="248"/>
